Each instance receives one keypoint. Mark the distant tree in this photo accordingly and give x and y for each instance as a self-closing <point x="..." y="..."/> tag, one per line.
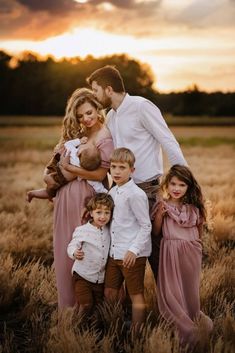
<point x="5" y="77"/>
<point x="191" y="102"/>
<point x="4" y="58"/>
<point x="43" y="86"/>
<point x="35" y="86"/>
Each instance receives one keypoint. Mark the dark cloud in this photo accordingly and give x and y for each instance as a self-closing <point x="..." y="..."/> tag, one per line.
<point x="5" y="6"/>
<point x="126" y="4"/>
<point x="36" y="20"/>
<point x="49" y="5"/>
<point x="129" y="4"/>
<point x="32" y="19"/>
<point x="67" y="5"/>
<point x="40" y="19"/>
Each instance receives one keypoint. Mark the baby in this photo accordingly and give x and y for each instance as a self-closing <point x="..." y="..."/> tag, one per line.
<point x="87" y="157"/>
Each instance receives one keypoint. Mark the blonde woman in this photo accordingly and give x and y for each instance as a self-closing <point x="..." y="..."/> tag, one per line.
<point x="83" y="117"/>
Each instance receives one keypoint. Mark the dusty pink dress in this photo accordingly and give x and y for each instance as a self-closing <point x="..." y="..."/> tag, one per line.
<point x="68" y="204"/>
<point x="179" y="271"/>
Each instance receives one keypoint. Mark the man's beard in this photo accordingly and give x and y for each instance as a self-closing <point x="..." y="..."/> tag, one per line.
<point x="106" y="101"/>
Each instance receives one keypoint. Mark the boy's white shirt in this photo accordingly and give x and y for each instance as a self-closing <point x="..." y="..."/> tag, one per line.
<point x="72" y="147"/>
<point x="130" y="226"/>
<point x="95" y="243"/>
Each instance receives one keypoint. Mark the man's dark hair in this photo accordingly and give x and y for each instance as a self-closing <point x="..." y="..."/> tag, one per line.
<point x="107" y="76"/>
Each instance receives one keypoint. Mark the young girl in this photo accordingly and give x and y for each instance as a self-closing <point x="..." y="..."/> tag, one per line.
<point x="180" y="218"/>
<point x="89" y="248"/>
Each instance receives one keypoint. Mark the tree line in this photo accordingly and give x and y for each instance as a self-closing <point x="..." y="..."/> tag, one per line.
<point x="32" y="86"/>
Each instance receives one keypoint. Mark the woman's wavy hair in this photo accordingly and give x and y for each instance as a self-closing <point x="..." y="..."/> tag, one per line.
<point x="72" y="127"/>
<point x="193" y="194"/>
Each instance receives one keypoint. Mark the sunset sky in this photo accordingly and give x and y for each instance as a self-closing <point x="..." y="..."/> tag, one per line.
<point x="185" y="42"/>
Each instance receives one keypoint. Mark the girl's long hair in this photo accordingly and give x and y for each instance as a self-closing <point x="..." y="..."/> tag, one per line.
<point x="71" y="127"/>
<point x="193" y="194"/>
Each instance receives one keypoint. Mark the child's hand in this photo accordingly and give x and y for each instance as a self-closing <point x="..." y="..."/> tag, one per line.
<point x="161" y="209"/>
<point x="49" y="180"/>
<point x="64" y="160"/>
<point x="78" y="254"/>
<point x="84" y="139"/>
<point x="129" y="259"/>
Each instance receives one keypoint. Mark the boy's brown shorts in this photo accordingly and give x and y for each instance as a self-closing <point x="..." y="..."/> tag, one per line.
<point x="134" y="276"/>
<point x="86" y="292"/>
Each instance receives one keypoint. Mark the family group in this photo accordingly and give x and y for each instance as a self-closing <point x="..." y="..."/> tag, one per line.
<point x="107" y="227"/>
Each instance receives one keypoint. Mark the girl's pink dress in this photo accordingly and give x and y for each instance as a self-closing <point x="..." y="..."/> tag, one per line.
<point x="179" y="271"/>
<point x="68" y="205"/>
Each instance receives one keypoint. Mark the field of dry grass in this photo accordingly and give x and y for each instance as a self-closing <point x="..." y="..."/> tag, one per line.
<point x="28" y="310"/>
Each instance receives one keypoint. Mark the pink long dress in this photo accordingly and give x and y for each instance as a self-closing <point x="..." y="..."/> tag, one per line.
<point x="179" y="272"/>
<point x="68" y="205"/>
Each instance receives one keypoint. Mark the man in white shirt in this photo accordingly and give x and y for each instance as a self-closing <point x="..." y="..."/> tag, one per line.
<point x="137" y="124"/>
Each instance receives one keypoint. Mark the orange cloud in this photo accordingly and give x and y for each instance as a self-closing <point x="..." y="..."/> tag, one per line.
<point x="40" y="19"/>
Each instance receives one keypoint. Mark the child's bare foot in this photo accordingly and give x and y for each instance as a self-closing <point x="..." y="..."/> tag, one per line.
<point x="29" y="196"/>
<point x="38" y="194"/>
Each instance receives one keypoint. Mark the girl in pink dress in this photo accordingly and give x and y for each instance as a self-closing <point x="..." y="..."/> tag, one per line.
<point x="83" y="118"/>
<point x="180" y="218"/>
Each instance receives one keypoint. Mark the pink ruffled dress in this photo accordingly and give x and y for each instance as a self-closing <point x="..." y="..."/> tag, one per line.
<point x="68" y="205"/>
<point x="179" y="271"/>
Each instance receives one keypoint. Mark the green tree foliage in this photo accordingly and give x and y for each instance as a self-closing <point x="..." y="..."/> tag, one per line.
<point x="30" y="86"/>
<point x="195" y="102"/>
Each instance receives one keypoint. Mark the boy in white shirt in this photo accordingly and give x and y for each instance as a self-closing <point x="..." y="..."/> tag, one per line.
<point x="130" y="235"/>
<point x="89" y="248"/>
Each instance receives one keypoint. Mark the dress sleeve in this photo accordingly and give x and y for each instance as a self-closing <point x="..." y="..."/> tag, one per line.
<point x="200" y="219"/>
<point x="105" y="146"/>
<point x="155" y="209"/>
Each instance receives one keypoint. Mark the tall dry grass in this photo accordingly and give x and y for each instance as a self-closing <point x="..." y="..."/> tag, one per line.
<point x="29" y="321"/>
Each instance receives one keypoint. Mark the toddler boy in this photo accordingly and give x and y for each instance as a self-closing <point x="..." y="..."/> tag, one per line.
<point x="89" y="248"/>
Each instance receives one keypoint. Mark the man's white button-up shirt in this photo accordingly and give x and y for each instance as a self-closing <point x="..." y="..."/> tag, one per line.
<point x="95" y="243"/>
<point x="131" y="226"/>
<point x="138" y="124"/>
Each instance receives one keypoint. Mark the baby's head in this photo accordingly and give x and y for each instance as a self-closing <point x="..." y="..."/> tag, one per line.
<point x="90" y="158"/>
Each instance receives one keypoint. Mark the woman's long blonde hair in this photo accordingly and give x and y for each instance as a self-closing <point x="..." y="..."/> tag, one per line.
<point x="71" y="127"/>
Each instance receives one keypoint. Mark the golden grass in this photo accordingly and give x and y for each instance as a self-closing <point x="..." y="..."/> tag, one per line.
<point x="29" y="321"/>
<point x="205" y="131"/>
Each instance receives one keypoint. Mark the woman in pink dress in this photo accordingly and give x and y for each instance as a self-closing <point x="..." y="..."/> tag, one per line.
<point x="180" y="218"/>
<point x="83" y="118"/>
